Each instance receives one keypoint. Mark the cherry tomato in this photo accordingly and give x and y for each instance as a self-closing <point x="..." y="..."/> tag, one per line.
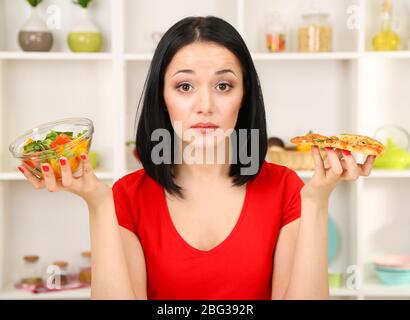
<point x="61" y="139"/>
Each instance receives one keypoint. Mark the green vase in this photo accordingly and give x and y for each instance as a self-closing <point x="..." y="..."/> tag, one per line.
<point x="85" y="37"/>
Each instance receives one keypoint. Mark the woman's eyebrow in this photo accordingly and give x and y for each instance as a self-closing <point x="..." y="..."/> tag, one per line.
<point x="219" y="72"/>
<point x="225" y="71"/>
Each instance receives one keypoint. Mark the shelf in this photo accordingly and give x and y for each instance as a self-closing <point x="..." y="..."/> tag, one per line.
<point x="375" y="289"/>
<point x="389" y="174"/>
<point x="387" y="55"/>
<point x="305" y="173"/>
<point x="85" y="294"/>
<point x="375" y="174"/>
<point x="17" y="176"/>
<point x="343" y="292"/>
<point x="138" y="56"/>
<point x="15" y="294"/>
<point x="4" y="55"/>
<point x="305" y="56"/>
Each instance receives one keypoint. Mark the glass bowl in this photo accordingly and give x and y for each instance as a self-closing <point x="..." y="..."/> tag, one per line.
<point x="48" y="142"/>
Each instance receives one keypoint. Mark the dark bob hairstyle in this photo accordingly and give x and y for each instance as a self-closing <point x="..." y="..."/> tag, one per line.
<point x="154" y="115"/>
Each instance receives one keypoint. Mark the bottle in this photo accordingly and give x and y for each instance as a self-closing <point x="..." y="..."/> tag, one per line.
<point x="275" y="34"/>
<point x="31" y="273"/>
<point x="386" y="39"/>
<point x="85" y="267"/>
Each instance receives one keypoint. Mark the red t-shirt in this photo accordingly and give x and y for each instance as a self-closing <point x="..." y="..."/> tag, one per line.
<point x="238" y="268"/>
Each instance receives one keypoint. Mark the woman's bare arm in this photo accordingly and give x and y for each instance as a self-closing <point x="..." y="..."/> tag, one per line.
<point x="300" y="267"/>
<point x="283" y="259"/>
<point x="110" y="278"/>
<point x="134" y="256"/>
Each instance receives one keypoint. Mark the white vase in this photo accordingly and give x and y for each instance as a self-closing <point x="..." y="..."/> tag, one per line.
<point x="34" y="34"/>
<point x="85" y="37"/>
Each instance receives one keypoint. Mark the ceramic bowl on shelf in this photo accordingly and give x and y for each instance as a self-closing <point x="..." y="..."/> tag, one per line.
<point x="48" y="142"/>
<point x="391" y="276"/>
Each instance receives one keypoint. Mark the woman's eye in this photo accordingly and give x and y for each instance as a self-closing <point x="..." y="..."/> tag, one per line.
<point x="224" y="86"/>
<point x="184" y="87"/>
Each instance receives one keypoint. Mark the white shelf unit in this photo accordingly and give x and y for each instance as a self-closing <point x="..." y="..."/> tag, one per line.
<point x="327" y="92"/>
<point x="75" y="294"/>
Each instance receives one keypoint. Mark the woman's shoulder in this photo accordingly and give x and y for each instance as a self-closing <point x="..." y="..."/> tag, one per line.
<point x="274" y="176"/>
<point x="275" y="171"/>
<point x="137" y="180"/>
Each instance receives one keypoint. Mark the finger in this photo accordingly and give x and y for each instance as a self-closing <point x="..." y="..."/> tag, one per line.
<point x="66" y="174"/>
<point x="366" y="167"/>
<point x="352" y="169"/>
<point x="49" y="178"/>
<point x="36" y="182"/>
<point x="340" y="155"/>
<point x="336" y="168"/>
<point x="318" y="161"/>
<point x="88" y="173"/>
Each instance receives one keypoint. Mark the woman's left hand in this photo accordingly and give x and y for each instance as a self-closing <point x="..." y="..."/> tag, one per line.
<point x="342" y="167"/>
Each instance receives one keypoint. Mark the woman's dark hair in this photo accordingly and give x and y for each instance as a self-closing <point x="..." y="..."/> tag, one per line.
<point x="154" y="115"/>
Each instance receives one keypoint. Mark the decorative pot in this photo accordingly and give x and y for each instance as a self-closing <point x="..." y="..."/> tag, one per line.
<point x="34" y="35"/>
<point x="85" y="37"/>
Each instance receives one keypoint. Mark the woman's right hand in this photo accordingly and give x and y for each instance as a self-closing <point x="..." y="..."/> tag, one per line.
<point x="88" y="186"/>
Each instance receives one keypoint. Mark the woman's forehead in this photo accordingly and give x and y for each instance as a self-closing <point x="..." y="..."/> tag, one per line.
<point x="201" y="55"/>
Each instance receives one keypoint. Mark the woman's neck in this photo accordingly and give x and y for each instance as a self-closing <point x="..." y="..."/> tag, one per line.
<point x="206" y="171"/>
<point x="202" y="172"/>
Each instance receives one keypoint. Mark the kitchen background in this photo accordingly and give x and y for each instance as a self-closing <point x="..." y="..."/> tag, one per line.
<point x="352" y="76"/>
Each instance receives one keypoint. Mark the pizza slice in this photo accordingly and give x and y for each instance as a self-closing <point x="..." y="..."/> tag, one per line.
<point x="311" y="139"/>
<point x="350" y="142"/>
<point x="362" y="144"/>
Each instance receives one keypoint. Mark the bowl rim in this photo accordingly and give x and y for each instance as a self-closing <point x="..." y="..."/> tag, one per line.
<point x="20" y="155"/>
<point x="393" y="261"/>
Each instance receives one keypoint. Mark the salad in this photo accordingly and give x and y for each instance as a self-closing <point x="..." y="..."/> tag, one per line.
<point x="56" y="144"/>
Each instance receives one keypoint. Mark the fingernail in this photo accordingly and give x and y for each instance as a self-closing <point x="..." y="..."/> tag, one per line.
<point x="346" y="152"/>
<point x="21" y="170"/>
<point x="63" y="161"/>
<point x="328" y="148"/>
<point x="83" y="156"/>
<point x="45" y="168"/>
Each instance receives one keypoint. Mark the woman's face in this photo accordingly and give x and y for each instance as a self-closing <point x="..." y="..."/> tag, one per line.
<point x="203" y="91"/>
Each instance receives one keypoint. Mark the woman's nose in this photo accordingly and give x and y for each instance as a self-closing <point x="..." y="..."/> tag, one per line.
<point x="204" y="103"/>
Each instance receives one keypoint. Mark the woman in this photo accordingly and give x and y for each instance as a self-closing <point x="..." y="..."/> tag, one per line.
<point x="193" y="230"/>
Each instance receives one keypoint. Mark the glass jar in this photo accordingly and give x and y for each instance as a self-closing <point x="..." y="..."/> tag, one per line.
<point x="275" y="34"/>
<point x="85" y="267"/>
<point x="31" y="273"/>
<point x="315" y="33"/>
<point x="62" y="273"/>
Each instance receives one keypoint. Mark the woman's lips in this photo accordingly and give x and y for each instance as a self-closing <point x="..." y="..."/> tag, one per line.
<point x="204" y="128"/>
